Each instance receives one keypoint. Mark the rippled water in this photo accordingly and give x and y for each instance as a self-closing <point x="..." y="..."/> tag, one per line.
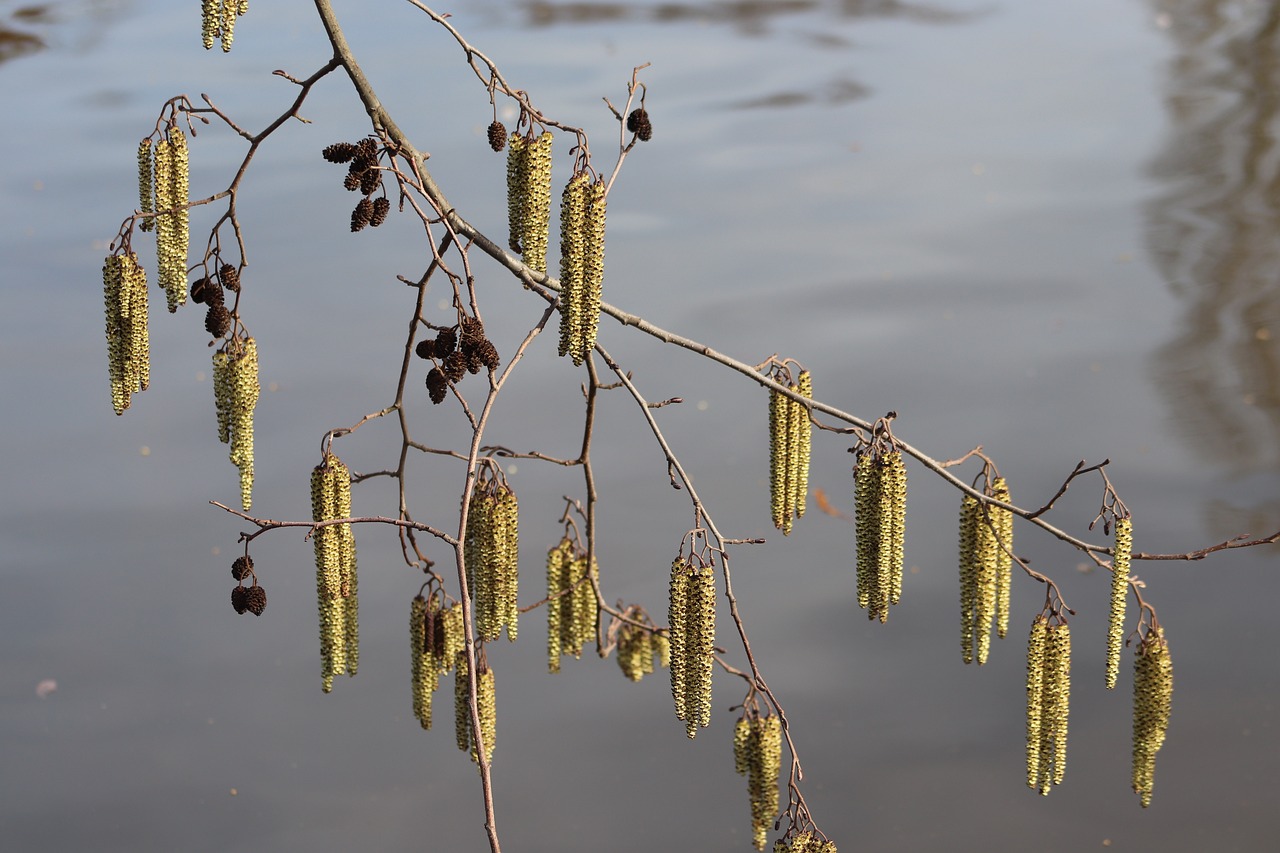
<point x="1043" y="228"/>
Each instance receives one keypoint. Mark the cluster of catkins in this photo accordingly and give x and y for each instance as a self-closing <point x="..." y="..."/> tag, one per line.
<point x="1152" y="701"/>
<point x="486" y="706"/>
<point x="804" y="842"/>
<point x="364" y="175"/>
<point x="252" y="598"/>
<point x="336" y="589"/>
<point x="986" y="566"/>
<point x="491" y="549"/>
<point x="641" y="649"/>
<point x="692" y="619"/>
<point x="529" y="197"/>
<point x="235" y="393"/>
<point x="124" y="285"/>
<point x="790" y="434"/>
<point x="1119" y="594"/>
<point x="218" y="21"/>
<point x="1048" y="701"/>
<point x="757" y="754"/>
<point x="435" y="639"/>
<point x="582" y="219"/>
<point x="572" y="609"/>
<point x="880" y="511"/>
<point x="208" y="290"/>
<point x="456" y="351"/>
<point x="164" y="190"/>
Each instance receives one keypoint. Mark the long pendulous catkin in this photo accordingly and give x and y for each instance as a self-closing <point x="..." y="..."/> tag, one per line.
<point x="1152" y="702"/>
<point x="1119" y="595"/>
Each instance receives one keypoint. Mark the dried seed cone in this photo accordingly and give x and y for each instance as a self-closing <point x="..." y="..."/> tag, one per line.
<point x="866" y="489"/>
<point x="1152" y="702"/>
<point x="145" y="180"/>
<point x="1002" y="520"/>
<point x="497" y="135"/>
<point x="1119" y="595"/>
<point x="574" y="201"/>
<point x="1035" y="697"/>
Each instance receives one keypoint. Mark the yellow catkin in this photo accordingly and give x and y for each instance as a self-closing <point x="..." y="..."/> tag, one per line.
<point x="230" y="8"/>
<point x="165" y="226"/>
<point x="741" y="746"/>
<point x="592" y="288"/>
<point x="677" y="619"/>
<point x="986" y="565"/>
<point x="700" y="626"/>
<point x="536" y="220"/>
<point x="423" y="676"/>
<point x="486" y="707"/>
<point x="804" y="441"/>
<point x="1055" y="707"/>
<point x="244" y="391"/>
<point x="172" y="191"/>
<point x="491" y="552"/>
<point x="884" y="508"/>
<point x="970" y="512"/>
<point x="486" y="702"/>
<point x="1152" y="701"/>
<point x="336" y="576"/>
<point x="764" y="754"/>
<point x="115" y="298"/>
<point x="1002" y="520"/>
<point x="584" y="608"/>
<point x="145" y="180"/>
<point x="791" y="459"/>
<point x="1119" y="595"/>
<point x="1035" y="697"/>
<point x="128" y="343"/>
<point x="866" y="480"/>
<point x="573" y="261"/>
<point x="510" y="515"/>
<point x="461" y="703"/>
<point x="559" y="559"/>
<point x="517" y="182"/>
<point x="778" y="458"/>
<point x="139" y="367"/>
<point x="894" y="481"/>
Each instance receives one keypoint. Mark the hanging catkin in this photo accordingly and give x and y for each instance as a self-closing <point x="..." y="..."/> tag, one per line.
<point x="124" y="285"/>
<point x="336" y="575"/>
<point x="880" y="508"/>
<point x="1119" y="594"/>
<point x="1152" y="701"/>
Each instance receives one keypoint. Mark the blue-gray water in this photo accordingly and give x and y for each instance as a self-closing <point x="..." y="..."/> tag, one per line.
<point x="1044" y="228"/>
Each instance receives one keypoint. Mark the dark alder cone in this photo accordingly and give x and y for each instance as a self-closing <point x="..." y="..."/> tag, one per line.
<point x="255" y="600"/>
<point x="425" y="349"/>
<point x="351" y="182"/>
<point x="370" y="180"/>
<point x="474" y="363"/>
<point x="497" y="136"/>
<point x="362" y="214"/>
<point x="437" y="385"/>
<point x="339" y="152"/>
<point x="218" y="321"/>
<point x="454" y="366"/>
<point x="367" y="148"/>
<point x="488" y="355"/>
<point x="638" y="123"/>
<point x="241" y="567"/>
<point x="240" y="599"/>
<point x="381" y="207"/>
<point x="446" y="340"/>
<point x="200" y="289"/>
<point x="472" y="332"/>
<point x="230" y="277"/>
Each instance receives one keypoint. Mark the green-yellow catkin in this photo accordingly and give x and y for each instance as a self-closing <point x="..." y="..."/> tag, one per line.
<point x="172" y="192"/>
<point x="1002" y="520"/>
<point x="635" y="651"/>
<point x="486" y="706"/>
<point x="893" y="481"/>
<point x="145" y="181"/>
<point x="677" y="619"/>
<point x="128" y="342"/>
<point x="210" y="21"/>
<point x="230" y="9"/>
<point x="336" y="576"/>
<point x="802" y="426"/>
<point x="1119" y="595"/>
<point x="559" y="559"/>
<point x="244" y="391"/>
<point x="1035" y="697"/>
<point x="592" y="289"/>
<point x="778" y="458"/>
<point x="424" y="677"/>
<point x="461" y="710"/>
<point x="1152" y="702"/>
<point x="584" y="609"/>
<point x="741" y="746"/>
<point x="517" y="181"/>
<point x="491" y="550"/>
<point x="573" y="261"/>
<point x="1055" y="707"/>
<point x="804" y="842"/>
<point x="986" y="562"/>
<point x="536" y="223"/>
<point x="970" y="512"/>
<point x="509" y="513"/>
<point x="699" y="648"/>
<point x="866" y="482"/>
<point x="764" y="763"/>
<point x="791" y="458"/>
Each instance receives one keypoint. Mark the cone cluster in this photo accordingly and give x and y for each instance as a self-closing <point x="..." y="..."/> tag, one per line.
<point x="209" y="291"/>
<point x="491" y="549"/>
<point x="235" y="393"/>
<point x="456" y="351"/>
<point x="218" y="21"/>
<point x="790" y="435"/>
<point x="986" y="571"/>
<point x="1119" y="595"/>
<point x="124" y="286"/>
<point x="1152" y="701"/>
<point x="572" y="609"/>
<point x="335" y="550"/>
<point x="639" y="124"/>
<point x="582" y="218"/>
<point x="692" y="618"/>
<point x="1048" y="702"/>
<point x="529" y="196"/>
<point x="804" y="842"/>
<point x="435" y="639"/>
<point x="640" y="649"/>
<point x="880" y="512"/>
<point x="364" y="175"/>
<point x="757" y="754"/>
<point x="486" y="705"/>
<point x="171" y="179"/>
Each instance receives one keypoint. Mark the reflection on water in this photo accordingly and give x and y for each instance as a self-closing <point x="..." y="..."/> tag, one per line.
<point x="16" y="38"/>
<point x="1213" y="229"/>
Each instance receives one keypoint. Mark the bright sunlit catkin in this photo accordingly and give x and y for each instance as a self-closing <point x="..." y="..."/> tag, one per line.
<point x="536" y="222"/>
<point x="172" y="191"/>
<point x="423" y="676"/>
<point x="1002" y="521"/>
<point x="880" y="506"/>
<point x="1119" y="595"/>
<point x="1152" y="702"/>
<point x="145" y="184"/>
<point x="764" y="763"/>
<point x="593" y="273"/>
<point x="866" y="484"/>
<point x="970" y="512"/>
<point x="336" y="576"/>
<point x="486" y="707"/>
<point x="802" y="427"/>
<point x="1035" y="697"/>
<point x="128" y="344"/>
<point x="517" y="180"/>
<point x="245" y="391"/>
<point x="573" y="261"/>
<point x="1055" y="707"/>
